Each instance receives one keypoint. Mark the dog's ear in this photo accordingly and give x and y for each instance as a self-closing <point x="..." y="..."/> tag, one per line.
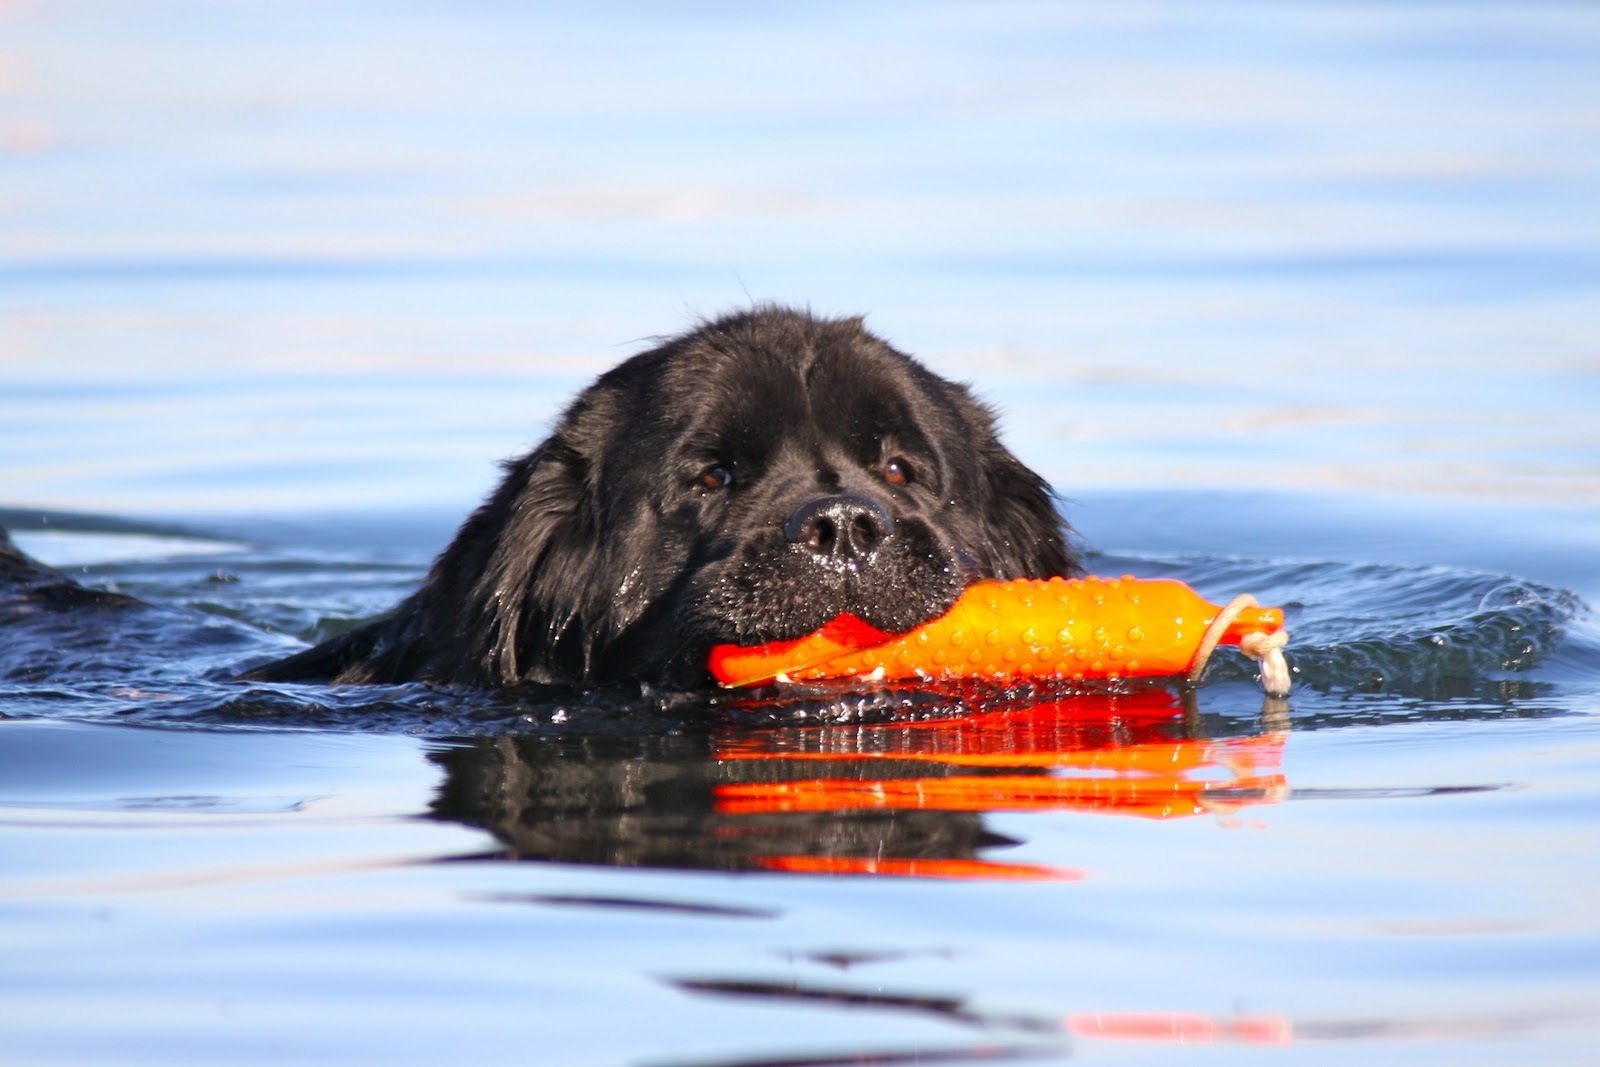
<point x="1026" y="533"/>
<point x="528" y="590"/>
<point x="541" y="580"/>
<point x="514" y="598"/>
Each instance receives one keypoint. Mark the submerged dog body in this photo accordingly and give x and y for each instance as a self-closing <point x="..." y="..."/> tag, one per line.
<point x="744" y="482"/>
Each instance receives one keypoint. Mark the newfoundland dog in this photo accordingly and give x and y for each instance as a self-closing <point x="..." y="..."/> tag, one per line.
<point x="744" y="482"/>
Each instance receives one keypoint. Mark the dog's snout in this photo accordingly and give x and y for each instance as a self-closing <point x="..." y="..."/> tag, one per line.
<point x="839" y="527"/>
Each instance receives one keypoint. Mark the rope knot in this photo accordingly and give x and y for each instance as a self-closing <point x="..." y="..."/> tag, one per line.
<point x="1265" y="649"/>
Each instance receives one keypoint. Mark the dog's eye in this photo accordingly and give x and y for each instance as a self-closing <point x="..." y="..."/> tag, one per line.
<point x="897" y="471"/>
<point x="716" y="476"/>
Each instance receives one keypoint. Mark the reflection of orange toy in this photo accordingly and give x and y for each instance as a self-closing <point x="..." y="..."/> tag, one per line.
<point x="1182" y="1028"/>
<point x="1058" y="629"/>
<point x="986" y="870"/>
<point x="1113" y="753"/>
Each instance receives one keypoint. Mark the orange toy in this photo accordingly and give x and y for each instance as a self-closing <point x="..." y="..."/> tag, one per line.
<point x="1056" y="629"/>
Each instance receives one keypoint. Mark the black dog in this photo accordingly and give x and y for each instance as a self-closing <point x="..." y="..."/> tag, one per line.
<point x="744" y="482"/>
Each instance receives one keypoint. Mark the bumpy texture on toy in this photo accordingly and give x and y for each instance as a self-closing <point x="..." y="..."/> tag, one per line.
<point x="1057" y="629"/>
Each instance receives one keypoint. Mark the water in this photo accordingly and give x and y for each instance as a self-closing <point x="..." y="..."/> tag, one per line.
<point x="1287" y="299"/>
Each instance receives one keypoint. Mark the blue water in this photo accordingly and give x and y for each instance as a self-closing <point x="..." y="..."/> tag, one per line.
<point x="1289" y="299"/>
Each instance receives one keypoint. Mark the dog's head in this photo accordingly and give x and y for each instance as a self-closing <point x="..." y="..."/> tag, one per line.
<point x="744" y="482"/>
<point x="747" y="482"/>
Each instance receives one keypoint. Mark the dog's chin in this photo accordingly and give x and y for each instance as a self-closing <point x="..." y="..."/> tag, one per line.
<point x="749" y="606"/>
<point x="891" y="614"/>
<point x="893" y="619"/>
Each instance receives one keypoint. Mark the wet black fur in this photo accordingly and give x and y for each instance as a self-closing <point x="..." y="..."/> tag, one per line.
<point x="606" y="556"/>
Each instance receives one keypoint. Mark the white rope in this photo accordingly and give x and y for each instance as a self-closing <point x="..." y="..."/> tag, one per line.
<point x="1265" y="649"/>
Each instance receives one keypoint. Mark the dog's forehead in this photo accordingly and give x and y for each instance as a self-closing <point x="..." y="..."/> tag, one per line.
<point x="763" y="387"/>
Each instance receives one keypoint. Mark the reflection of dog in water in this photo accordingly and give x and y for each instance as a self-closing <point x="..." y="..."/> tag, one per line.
<point x="653" y="802"/>
<point x="892" y="798"/>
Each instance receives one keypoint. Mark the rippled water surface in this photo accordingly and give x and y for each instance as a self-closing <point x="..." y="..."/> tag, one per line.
<point x="1294" y="300"/>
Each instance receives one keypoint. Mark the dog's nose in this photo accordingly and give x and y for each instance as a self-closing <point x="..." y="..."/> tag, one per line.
<point x="839" y="527"/>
